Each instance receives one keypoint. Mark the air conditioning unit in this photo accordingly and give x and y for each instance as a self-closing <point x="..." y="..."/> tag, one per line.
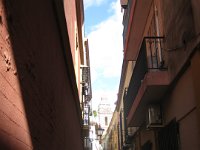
<point x="154" y="116"/>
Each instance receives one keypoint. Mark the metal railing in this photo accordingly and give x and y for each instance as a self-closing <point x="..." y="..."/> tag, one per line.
<point x="168" y="137"/>
<point x="154" y="52"/>
<point x="150" y="58"/>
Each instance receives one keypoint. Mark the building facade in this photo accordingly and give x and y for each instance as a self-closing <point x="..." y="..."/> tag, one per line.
<point x="42" y="50"/>
<point x="110" y="138"/>
<point x="105" y="113"/>
<point x="158" y="100"/>
<point x="86" y="97"/>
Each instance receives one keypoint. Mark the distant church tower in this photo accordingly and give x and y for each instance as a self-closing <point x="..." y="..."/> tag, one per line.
<point x="105" y="113"/>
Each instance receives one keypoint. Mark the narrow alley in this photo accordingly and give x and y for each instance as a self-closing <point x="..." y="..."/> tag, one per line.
<point x="99" y="75"/>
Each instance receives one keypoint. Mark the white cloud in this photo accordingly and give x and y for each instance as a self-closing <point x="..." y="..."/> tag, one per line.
<point x="106" y="52"/>
<point x="106" y="49"/>
<point x="88" y="3"/>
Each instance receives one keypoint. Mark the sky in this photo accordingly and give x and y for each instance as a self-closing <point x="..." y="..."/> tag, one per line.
<point x="103" y="28"/>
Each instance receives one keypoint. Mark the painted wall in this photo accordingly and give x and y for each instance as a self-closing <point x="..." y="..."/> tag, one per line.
<point x="181" y="104"/>
<point x="72" y="27"/>
<point x="195" y="63"/>
<point x="38" y="107"/>
<point x="179" y="31"/>
<point x="145" y="135"/>
<point x="181" y="28"/>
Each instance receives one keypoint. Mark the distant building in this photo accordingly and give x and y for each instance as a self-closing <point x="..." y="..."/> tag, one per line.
<point x="104" y="113"/>
<point x="110" y="139"/>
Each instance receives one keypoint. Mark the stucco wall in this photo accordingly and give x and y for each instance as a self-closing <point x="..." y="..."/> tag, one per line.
<point x="181" y="104"/>
<point x="196" y="13"/>
<point x="195" y="63"/>
<point x="72" y="27"/>
<point x="146" y="135"/>
<point x="37" y="103"/>
<point x="182" y="99"/>
<point x="70" y="12"/>
<point x="179" y="30"/>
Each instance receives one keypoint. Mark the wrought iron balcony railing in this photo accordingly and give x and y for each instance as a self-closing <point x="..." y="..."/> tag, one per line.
<point x="86" y="83"/>
<point x="150" y="58"/>
<point x="154" y="52"/>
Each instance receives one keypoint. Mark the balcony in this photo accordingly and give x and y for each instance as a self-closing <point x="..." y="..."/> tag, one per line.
<point x="86" y="83"/>
<point x="148" y="83"/>
<point x="86" y="131"/>
<point x="134" y="22"/>
<point x="87" y="143"/>
<point x="86" y="120"/>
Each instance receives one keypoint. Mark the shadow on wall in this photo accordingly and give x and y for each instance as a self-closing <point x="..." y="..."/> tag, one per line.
<point x="3" y="144"/>
<point x="37" y="61"/>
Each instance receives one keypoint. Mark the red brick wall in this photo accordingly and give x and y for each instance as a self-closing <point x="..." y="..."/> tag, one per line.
<point x="37" y="103"/>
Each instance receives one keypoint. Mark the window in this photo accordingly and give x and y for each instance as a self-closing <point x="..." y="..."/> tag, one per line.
<point x="106" y="121"/>
<point x="168" y="137"/>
